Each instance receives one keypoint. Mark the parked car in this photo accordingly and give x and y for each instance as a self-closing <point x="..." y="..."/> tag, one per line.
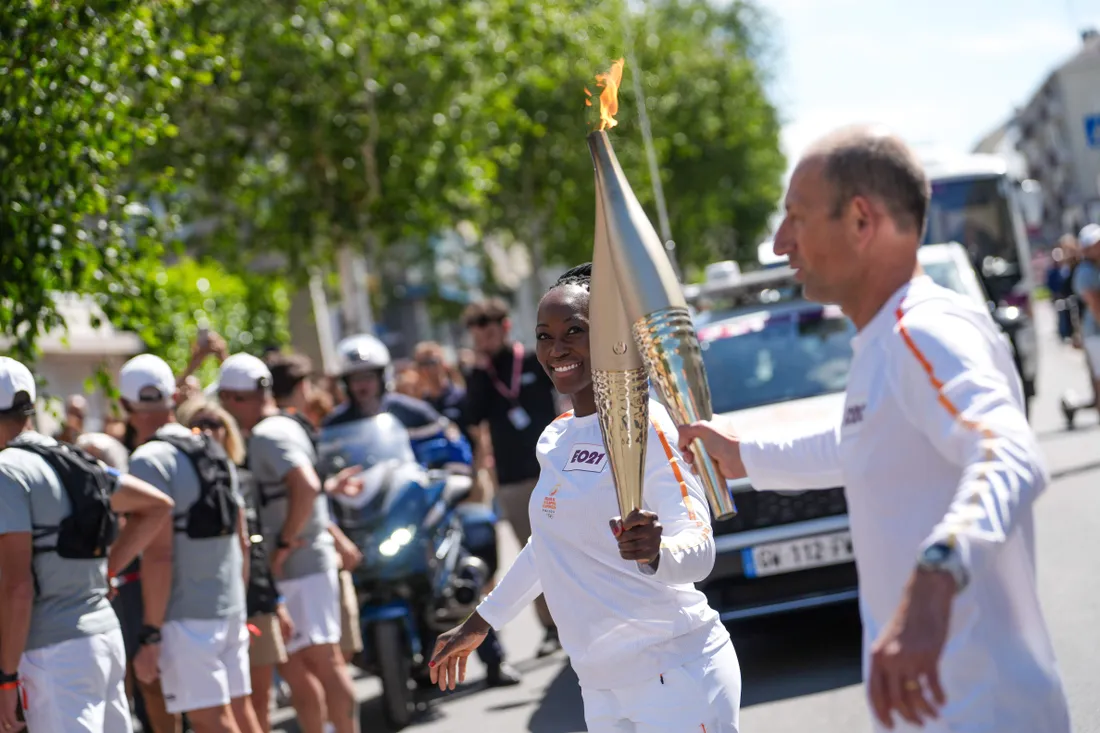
<point x="784" y="363"/>
<point x="950" y="267"/>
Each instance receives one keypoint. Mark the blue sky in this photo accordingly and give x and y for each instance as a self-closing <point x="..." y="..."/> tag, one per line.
<point x="940" y="72"/>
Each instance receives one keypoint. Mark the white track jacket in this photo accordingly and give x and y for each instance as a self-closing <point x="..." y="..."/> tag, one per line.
<point x="933" y="445"/>
<point x="619" y="625"/>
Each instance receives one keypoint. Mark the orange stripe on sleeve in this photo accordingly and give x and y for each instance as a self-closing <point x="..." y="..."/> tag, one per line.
<point x="938" y="385"/>
<point x="675" y="469"/>
<point x="563" y="416"/>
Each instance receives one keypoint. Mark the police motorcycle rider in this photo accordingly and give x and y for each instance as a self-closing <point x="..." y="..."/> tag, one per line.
<point x="366" y="369"/>
<point x="62" y="655"/>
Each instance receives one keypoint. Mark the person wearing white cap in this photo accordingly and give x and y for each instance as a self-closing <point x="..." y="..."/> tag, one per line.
<point x="194" y="635"/>
<point x="1086" y="284"/>
<point x="62" y="654"/>
<point x="294" y="513"/>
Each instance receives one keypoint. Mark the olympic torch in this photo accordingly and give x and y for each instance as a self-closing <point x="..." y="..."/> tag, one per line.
<point x="619" y="377"/>
<point x="653" y="299"/>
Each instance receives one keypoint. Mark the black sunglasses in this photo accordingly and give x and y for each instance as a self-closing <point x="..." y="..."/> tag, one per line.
<point x="482" y="321"/>
<point x="208" y="423"/>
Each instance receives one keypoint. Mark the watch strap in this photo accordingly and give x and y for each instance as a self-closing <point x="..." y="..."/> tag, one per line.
<point x="148" y="635"/>
<point x="7" y="679"/>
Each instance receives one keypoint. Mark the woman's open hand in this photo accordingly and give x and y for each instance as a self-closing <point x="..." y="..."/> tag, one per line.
<point x="639" y="536"/>
<point x="448" y="665"/>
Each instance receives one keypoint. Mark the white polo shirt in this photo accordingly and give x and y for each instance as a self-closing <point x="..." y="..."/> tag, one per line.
<point x="934" y="445"/>
<point x="618" y="624"/>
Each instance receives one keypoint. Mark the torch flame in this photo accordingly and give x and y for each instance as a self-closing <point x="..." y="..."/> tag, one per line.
<point x="609" y="97"/>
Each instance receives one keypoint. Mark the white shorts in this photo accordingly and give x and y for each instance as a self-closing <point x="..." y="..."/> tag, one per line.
<point x="1091" y="346"/>
<point x="204" y="663"/>
<point x="703" y="696"/>
<point x="313" y="602"/>
<point x="77" y="685"/>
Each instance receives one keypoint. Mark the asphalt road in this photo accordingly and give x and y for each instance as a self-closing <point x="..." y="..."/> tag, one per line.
<point x="802" y="672"/>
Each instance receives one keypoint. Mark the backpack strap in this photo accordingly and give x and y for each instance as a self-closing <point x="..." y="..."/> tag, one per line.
<point x="269" y="491"/>
<point x="199" y="449"/>
<point x="52" y="455"/>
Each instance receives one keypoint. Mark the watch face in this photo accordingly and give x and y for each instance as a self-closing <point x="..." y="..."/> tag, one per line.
<point x="936" y="554"/>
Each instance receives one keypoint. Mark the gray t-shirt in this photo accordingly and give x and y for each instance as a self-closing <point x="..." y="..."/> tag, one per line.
<point x="278" y="445"/>
<point x="207" y="580"/>
<point x="1087" y="277"/>
<point x="71" y="598"/>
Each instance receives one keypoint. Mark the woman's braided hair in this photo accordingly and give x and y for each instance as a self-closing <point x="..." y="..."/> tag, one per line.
<point x="581" y="275"/>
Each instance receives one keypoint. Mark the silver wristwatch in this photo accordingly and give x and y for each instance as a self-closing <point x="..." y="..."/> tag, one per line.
<point x="942" y="557"/>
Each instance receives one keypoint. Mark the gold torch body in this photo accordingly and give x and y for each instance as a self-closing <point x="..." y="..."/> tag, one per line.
<point x="654" y="305"/>
<point x="619" y="378"/>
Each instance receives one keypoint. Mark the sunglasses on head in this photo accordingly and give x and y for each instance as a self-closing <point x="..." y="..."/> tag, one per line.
<point x="429" y="362"/>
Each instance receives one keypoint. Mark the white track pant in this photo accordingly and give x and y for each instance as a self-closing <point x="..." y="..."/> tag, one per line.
<point x="703" y="696"/>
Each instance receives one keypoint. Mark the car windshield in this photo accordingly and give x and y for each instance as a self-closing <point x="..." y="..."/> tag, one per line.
<point x="764" y="358"/>
<point x="946" y="275"/>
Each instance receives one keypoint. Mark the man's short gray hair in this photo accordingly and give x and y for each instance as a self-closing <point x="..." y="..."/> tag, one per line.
<point x="869" y="162"/>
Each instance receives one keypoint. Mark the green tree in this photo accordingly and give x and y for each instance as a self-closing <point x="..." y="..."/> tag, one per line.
<point x="342" y="123"/>
<point x="82" y="86"/>
<point x="248" y="310"/>
<point x="715" y="132"/>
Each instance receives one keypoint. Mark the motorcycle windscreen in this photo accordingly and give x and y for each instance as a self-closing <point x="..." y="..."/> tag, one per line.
<point x="364" y="443"/>
<point x="381" y="446"/>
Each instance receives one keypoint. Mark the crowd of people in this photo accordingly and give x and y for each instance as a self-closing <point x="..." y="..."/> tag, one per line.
<point x="1073" y="280"/>
<point x="213" y="503"/>
<point x="251" y="590"/>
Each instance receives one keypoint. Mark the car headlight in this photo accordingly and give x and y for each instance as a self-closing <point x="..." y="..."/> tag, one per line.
<point x="397" y="539"/>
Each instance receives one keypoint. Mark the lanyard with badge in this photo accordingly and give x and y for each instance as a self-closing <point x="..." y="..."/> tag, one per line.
<point x="517" y="415"/>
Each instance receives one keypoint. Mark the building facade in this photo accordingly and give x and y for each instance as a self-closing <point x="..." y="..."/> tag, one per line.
<point x="1058" y="133"/>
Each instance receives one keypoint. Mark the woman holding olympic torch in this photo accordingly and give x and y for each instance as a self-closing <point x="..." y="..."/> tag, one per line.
<point x="650" y="653"/>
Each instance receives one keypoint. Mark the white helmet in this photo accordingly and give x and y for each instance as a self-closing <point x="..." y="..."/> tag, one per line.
<point x="361" y="353"/>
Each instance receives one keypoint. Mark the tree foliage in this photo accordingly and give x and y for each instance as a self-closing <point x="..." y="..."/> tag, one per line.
<point x="248" y="310"/>
<point x="82" y="86"/>
<point x="258" y="128"/>
<point x="715" y="133"/>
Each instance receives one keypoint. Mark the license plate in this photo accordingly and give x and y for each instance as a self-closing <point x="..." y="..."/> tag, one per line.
<point x="806" y="552"/>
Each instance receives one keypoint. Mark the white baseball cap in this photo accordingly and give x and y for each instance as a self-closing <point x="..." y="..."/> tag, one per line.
<point x="1090" y="235"/>
<point x="147" y="379"/>
<point x="244" y="373"/>
<point x="17" y="394"/>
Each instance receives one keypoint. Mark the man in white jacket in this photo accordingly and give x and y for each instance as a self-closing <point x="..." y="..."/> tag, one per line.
<point x="939" y="465"/>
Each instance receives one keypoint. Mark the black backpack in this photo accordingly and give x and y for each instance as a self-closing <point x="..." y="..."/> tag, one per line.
<point x="215" y="512"/>
<point x="91" y="527"/>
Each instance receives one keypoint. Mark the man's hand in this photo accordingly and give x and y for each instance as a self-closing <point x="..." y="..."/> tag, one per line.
<point x="349" y="552"/>
<point x="723" y="445"/>
<point x="346" y="483"/>
<point x="448" y="665"/>
<point x="904" y="674"/>
<point x="279" y="557"/>
<point x="9" y="702"/>
<point x="639" y="536"/>
<point x="147" y="663"/>
<point x="286" y="625"/>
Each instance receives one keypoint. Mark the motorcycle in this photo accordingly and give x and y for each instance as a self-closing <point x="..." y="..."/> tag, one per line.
<point x="426" y="556"/>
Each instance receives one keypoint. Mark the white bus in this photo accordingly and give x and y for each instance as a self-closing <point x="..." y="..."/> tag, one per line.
<point x="983" y="204"/>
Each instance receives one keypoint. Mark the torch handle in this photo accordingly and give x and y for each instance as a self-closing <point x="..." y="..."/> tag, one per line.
<point x="670" y="349"/>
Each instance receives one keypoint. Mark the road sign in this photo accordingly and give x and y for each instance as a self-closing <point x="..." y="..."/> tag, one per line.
<point x="1092" y="130"/>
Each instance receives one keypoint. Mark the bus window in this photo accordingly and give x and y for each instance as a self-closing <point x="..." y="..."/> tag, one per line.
<point x="975" y="213"/>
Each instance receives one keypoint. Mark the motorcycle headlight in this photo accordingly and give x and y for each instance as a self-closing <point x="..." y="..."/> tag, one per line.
<point x="397" y="540"/>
